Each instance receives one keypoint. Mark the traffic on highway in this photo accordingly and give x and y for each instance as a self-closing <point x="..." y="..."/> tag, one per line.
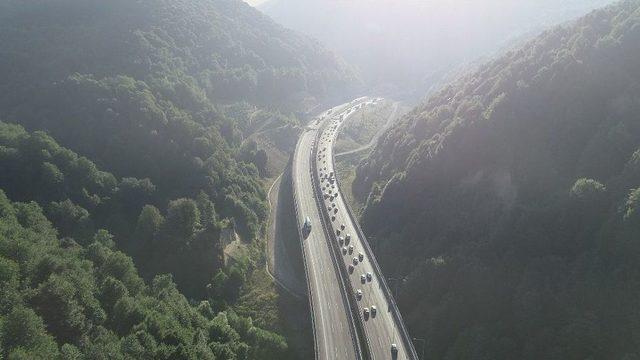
<point x="378" y="331"/>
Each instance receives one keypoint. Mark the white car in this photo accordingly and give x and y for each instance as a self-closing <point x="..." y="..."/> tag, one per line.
<point x="350" y="249"/>
<point x="363" y="278"/>
<point x="306" y="226"/>
<point x="344" y="250"/>
<point x="365" y="311"/>
<point x="355" y="261"/>
<point x="394" y="349"/>
<point x="374" y="310"/>
<point x="369" y="276"/>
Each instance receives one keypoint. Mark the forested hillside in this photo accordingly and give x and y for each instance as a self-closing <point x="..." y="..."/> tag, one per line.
<point x="407" y="47"/>
<point x="508" y="202"/>
<point x="127" y="123"/>
<point x="159" y="89"/>
<point x="78" y="198"/>
<point x="64" y="300"/>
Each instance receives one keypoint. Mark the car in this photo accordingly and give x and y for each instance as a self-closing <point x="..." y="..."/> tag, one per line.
<point x="350" y="249"/>
<point x="342" y="226"/>
<point x="306" y="226"/>
<point x="374" y="310"/>
<point x="328" y="208"/>
<point x="338" y="232"/>
<point x="340" y="240"/>
<point x="333" y="218"/>
<point x="335" y="211"/>
<point x="355" y="260"/>
<point x="369" y="276"/>
<point x="358" y="294"/>
<point x="361" y="257"/>
<point x="394" y="350"/>
<point x="344" y="250"/>
<point x="351" y="268"/>
<point x="347" y="238"/>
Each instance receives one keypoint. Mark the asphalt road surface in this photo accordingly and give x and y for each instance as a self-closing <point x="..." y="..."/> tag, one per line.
<point x="334" y="334"/>
<point x="333" y="328"/>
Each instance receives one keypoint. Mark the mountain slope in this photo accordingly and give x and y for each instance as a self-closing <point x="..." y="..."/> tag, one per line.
<point x="62" y="300"/>
<point x="130" y="120"/>
<point x="165" y="90"/>
<point x="407" y="46"/>
<point x="507" y="200"/>
<point x="226" y="48"/>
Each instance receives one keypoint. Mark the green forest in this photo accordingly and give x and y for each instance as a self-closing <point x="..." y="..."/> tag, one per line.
<point x="65" y="300"/>
<point x="125" y="152"/>
<point x="508" y="202"/>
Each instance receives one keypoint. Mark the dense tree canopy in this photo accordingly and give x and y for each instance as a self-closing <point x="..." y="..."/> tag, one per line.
<point x="508" y="201"/>
<point x="62" y="300"/>
<point x="78" y="199"/>
<point x="164" y="90"/>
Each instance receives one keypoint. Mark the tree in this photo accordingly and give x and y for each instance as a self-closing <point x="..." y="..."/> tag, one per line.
<point x="183" y="219"/>
<point x="632" y="212"/>
<point x="587" y="190"/>
<point x="70" y="219"/>
<point x="149" y="224"/>
<point x="23" y="330"/>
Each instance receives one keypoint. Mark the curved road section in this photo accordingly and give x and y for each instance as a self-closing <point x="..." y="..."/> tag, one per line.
<point x="349" y="297"/>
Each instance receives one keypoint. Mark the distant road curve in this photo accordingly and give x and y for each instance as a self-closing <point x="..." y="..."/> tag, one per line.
<point x="376" y="137"/>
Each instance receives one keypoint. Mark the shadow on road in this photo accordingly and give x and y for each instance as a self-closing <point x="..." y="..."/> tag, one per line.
<point x="287" y="257"/>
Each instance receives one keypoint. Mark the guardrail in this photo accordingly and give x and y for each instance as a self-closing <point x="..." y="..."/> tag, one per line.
<point x="406" y="338"/>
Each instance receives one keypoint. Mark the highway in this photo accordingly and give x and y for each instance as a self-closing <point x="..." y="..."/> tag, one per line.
<point x="341" y="329"/>
<point x="334" y="333"/>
